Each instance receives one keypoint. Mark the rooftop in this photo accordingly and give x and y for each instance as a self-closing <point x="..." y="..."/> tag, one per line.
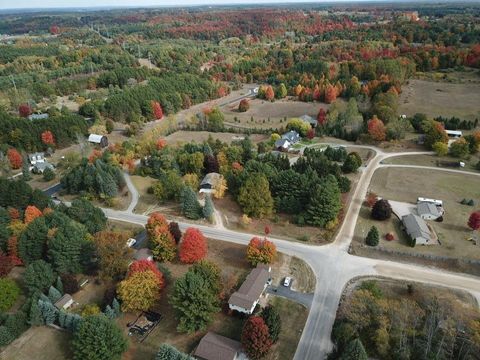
<point x="415" y="226"/>
<point x="251" y="288"/>
<point x="217" y="347"/>
<point x="424" y="208"/>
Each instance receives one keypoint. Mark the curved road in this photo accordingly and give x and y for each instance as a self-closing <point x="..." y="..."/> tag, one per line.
<point x="331" y="263"/>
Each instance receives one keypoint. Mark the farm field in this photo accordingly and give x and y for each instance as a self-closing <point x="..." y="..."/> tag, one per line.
<point x="406" y="186"/>
<point x="431" y="160"/>
<point x="440" y="99"/>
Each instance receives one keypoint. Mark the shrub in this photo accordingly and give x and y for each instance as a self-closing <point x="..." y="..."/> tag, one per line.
<point x="10" y="292"/>
<point x="48" y="174"/>
<point x="244" y="105"/>
<point x="372" y="237"/>
<point x="389" y="237"/>
<point x="381" y="210"/>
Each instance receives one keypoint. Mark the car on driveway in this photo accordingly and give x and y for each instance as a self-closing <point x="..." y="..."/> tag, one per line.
<point x="287" y="282"/>
<point x="131" y="242"/>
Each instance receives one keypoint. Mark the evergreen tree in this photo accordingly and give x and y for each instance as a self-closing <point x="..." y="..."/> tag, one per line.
<point x="254" y="196"/>
<point x="110" y="313"/>
<point x="272" y="319"/>
<point x="35" y="315"/>
<point x="32" y="244"/>
<point x="208" y="209"/>
<point x="67" y="248"/>
<point x="92" y="217"/>
<point x="49" y="312"/>
<point x="38" y="276"/>
<point x="191" y="208"/>
<point x="354" y="351"/>
<point x="372" y="237"/>
<point x="6" y="337"/>
<point x="168" y="352"/>
<point x="26" y="176"/>
<point x="53" y="294"/>
<point x="116" y="307"/>
<point x="59" y="285"/>
<point x="325" y="203"/>
<point x="62" y="319"/>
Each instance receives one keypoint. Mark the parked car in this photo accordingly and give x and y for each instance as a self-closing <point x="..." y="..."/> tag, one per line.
<point x="287" y="282"/>
<point x="131" y="242"/>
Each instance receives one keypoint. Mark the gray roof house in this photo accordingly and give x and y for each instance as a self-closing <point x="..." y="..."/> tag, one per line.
<point x="307" y="118"/>
<point x="217" y="347"/>
<point x="292" y="136"/>
<point x="246" y="298"/>
<point x="38" y="116"/>
<point x="428" y="211"/>
<point x="417" y="229"/>
<point x="40" y="167"/>
<point x="38" y="157"/>
<point x="282" y="144"/>
<point x="64" y="302"/>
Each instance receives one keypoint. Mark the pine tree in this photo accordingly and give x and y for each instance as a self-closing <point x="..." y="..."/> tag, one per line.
<point x="53" y="294"/>
<point x="49" y="312"/>
<point x="26" y="176"/>
<point x="68" y="321"/>
<point x="35" y="315"/>
<point x="62" y="317"/>
<point x="354" y="351"/>
<point x="76" y="322"/>
<point x="373" y="237"/>
<point x="208" y="209"/>
<point x="191" y="208"/>
<point x="116" y="307"/>
<point x="325" y="203"/>
<point x="110" y="313"/>
<point x="272" y="319"/>
<point x="59" y="285"/>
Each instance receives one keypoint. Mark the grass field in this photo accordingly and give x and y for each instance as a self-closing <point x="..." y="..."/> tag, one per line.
<point x="440" y="99"/>
<point x="276" y="111"/>
<point x="407" y="185"/>
<point x="182" y="137"/>
<point x="431" y="160"/>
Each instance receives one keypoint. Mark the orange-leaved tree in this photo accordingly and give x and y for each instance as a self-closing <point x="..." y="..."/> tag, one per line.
<point x="48" y="138"/>
<point x="31" y="213"/>
<point x="193" y="247"/>
<point x="157" y="110"/>
<point x="15" y="158"/>
<point x="261" y="251"/>
<point x="256" y="338"/>
<point x="377" y="129"/>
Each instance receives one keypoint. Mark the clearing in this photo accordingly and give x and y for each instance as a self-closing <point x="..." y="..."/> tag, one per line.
<point x="407" y="185"/>
<point x="182" y="137"/>
<point x="431" y="160"/>
<point x="440" y="99"/>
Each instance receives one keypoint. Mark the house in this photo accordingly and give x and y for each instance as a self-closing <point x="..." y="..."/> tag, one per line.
<point x="417" y="229"/>
<point x="38" y="116"/>
<point x="64" y="302"/>
<point x="312" y="121"/>
<point x="454" y="134"/>
<point x="282" y="144"/>
<point x="101" y="140"/>
<point x="428" y="211"/>
<point x="38" y="157"/>
<point x="143" y="254"/>
<point x="40" y="167"/>
<point x="217" y="347"/>
<point x="292" y="136"/>
<point x="209" y="182"/>
<point x="246" y="298"/>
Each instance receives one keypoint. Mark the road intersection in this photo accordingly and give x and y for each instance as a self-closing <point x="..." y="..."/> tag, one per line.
<point x="333" y="266"/>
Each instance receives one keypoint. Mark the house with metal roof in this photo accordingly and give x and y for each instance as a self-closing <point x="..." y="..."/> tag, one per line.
<point x="428" y="211"/>
<point x="247" y="297"/>
<point x="217" y="347"/>
<point x="64" y="302"/>
<point x="38" y="157"/>
<point x="38" y="116"/>
<point x="417" y="229"/>
<point x="292" y="136"/>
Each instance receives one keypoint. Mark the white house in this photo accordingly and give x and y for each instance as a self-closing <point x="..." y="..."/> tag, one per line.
<point x="246" y="298"/>
<point x="38" y="157"/>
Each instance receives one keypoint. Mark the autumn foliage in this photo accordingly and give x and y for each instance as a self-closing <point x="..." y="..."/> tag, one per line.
<point x="13" y="251"/>
<point x="244" y="105"/>
<point x="330" y="94"/>
<point x="157" y="110"/>
<point x="161" y="143"/>
<point x="377" y="129"/>
<point x="321" y="117"/>
<point x="371" y="199"/>
<point x="310" y="134"/>
<point x="47" y="138"/>
<point x="261" y="251"/>
<point x="146" y="265"/>
<point x="193" y="247"/>
<point x="269" y="93"/>
<point x="256" y="338"/>
<point x="15" y="158"/>
<point x="156" y="224"/>
<point x="474" y="220"/>
<point x="31" y="213"/>
<point x="139" y="291"/>
<point x="24" y="110"/>
<point x="6" y="264"/>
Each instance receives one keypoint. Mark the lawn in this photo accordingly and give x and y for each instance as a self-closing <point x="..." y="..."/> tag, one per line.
<point x="440" y="99"/>
<point x="431" y="160"/>
<point x="183" y="136"/>
<point x="407" y="185"/>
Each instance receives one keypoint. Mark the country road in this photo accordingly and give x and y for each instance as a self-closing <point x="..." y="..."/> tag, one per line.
<point x="333" y="266"/>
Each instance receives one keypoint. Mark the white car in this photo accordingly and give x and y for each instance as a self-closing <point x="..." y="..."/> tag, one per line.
<point x="287" y="281"/>
<point x="131" y="242"/>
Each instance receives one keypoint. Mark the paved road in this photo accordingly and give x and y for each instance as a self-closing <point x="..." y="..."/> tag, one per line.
<point x="133" y="191"/>
<point x="288" y="293"/>
<point x="332" y="264"/>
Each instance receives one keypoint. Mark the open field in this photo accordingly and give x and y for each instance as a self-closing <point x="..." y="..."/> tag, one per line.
<point x="182" y="136"/>
<point x="39" y="343"/>
<point x="407" y="185"/>
<point x="440" y="99"/>
<point x="431" y="160"/>
<point x="277" y="111"/>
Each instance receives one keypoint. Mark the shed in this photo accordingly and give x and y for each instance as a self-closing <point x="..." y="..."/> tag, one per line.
<point x="101" y="140"/>
<point x="64" y="302"/>
<point x="428" y="211"/>
<point x="217" y="347"/>
<point x="417" y="229"/>
<point x="210" y="181"/>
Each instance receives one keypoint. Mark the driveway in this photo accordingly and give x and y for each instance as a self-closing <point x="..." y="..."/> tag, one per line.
<point x="288" y="293"/>
<point x="402" y="208"/>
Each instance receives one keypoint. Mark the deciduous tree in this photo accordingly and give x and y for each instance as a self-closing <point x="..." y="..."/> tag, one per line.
<point x="6" y="264"/>
<point x="255" y="197"/>
<point x="381" y="210"/>
<point x="193" y="247"/>
<point x="139" y="291"/>
<point x="114" y="255"/>
<point x="157" y="110"/>
<point x="261" y="251"/>
<point x="377" y="129"/>
<point x="474" y="221"/>
<point x="256" y="338"/>
<point x="31" y="213"/>
<point x="15" y="158"/>
<point x="48" y="138"/>
<point x="10" y="292"/>
<point x="244" y="105"/>
<point x="175" y="231"/>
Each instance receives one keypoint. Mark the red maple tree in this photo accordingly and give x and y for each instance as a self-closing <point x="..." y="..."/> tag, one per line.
<point x="156" y="224"/>
<point x="321" y="117"/>
<point x="256" y="338"/>
<point x="474" y="220"/>
<point x="261" y="251"/>
<point x="269" y="93"/>
<point x="31" y="213"/>
<point x="147" y="265"/>
<point x="13" y="213"/>
<point x="161" y="143"/>
<point x="48" y="138"/>
<point x="13" y="251"/>
<point x="310" y="134"/>
<point x="330" y="94"/>
<point x="54" y="30"/>
<point x="6" y="264"/>
<point x="15" y="158"/>
<point x="193" y="247"/>
<point x="377" y="129"/>
<point x="24" y="110"/>
<point x="157" y="110"/>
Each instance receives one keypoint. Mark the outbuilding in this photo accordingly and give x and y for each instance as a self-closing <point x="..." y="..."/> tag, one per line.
<point x="100" y="140"/>
<point x="64" y="302"/>
<point x="217" y="347"/>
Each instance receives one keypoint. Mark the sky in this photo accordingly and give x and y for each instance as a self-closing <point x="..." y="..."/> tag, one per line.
<point x="25" y="4"/>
